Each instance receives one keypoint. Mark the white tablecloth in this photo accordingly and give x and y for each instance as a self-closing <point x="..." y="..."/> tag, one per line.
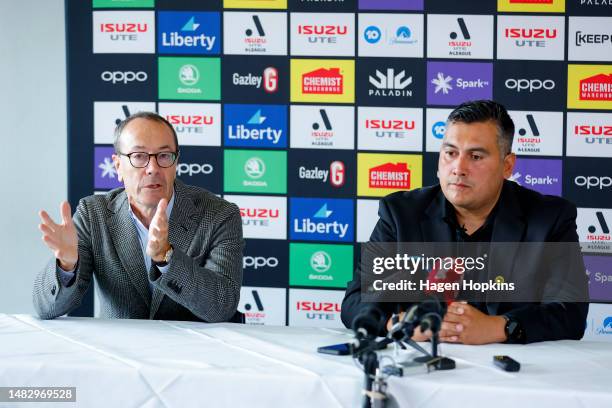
<point x="140" y="363"/>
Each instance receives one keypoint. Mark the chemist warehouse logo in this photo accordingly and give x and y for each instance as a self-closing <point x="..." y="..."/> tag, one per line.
<point x="188" y="33"/>
<point x="256" y="125"/>
<point x="321" y="219"/>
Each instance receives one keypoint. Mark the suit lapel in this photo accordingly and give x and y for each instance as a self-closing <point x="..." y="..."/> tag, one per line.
<point x="434" y="228"/>
<point x="125" y="239"/>
<point x="181" y="230"/>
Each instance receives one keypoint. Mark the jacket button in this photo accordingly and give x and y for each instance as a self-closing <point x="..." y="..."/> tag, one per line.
<point x="53" y="290"/>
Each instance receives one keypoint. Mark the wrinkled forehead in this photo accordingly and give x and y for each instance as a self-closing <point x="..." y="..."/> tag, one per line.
<point x="146" y="135"/>
<point x="471" y="136"/>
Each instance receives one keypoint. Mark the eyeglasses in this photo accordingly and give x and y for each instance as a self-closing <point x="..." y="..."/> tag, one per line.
<point x="141" y="159"/>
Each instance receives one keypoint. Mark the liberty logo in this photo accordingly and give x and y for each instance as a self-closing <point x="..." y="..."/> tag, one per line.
<point x="390" y="84"/>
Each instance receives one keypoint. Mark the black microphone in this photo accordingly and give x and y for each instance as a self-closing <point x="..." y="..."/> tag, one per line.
<point x="367" y="324"/>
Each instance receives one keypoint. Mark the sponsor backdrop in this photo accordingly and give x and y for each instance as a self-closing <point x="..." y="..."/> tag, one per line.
<point x="304" y="113"/>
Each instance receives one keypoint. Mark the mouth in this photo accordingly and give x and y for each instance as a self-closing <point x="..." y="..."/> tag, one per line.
<point x="459" y="185"/>
<point x="152" y="187"/>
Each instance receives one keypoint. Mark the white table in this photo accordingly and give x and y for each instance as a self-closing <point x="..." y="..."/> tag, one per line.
<point x="140" y="363"/>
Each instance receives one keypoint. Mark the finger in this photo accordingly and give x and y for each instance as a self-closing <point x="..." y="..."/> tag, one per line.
<point x="457" y="309"/>
<point x="65" y="212"/>
<point x="161" y="207"/>
<point x="453" y="328"/>
<point x="449" y="339"/>
<point x="46" y="230"/>
<point x="50" y="242"/>
<point x="47" y="220"/>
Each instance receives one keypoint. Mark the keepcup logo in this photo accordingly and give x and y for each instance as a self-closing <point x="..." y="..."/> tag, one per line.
<point x="124" y="76"/>
<point x="529" y="85"/>
<point x="256" y="262"/>
<point x="193" y="169"/>
<point x="596" y="182"/>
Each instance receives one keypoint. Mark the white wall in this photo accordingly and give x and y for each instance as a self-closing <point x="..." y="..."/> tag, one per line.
<point x="33" y="169"/>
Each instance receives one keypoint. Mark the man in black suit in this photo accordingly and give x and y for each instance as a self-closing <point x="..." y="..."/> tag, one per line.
<point x="475" y="203"/>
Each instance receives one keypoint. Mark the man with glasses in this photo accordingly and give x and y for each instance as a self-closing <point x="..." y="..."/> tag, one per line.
<point x="159" y="249"/>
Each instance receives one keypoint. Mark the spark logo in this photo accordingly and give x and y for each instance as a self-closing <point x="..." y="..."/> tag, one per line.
<point x="188" y="33"/>
<point x="320" y="265"/>
<point x="105" y="175"/>
<point x="321" y="220"/>
<point x="455" y="82"/>
<point x="390" y="84"/>
<point x="322" y="80"/>
<point x="589" y="86"/>
<point x="541" y="175"/>
<point x="382" y="174"/>
<point x="123" y="32"/>
<point x="442" y="83"/>
<point x="256" y="125"/>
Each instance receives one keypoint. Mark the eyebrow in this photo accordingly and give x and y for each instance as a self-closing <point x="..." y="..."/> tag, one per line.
<point x="144" y="147"/>
<point x="472" y="150"/>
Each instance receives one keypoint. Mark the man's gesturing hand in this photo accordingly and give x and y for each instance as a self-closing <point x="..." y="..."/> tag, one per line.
<point x="61" y="238"/>
<point x="158" y="233"/>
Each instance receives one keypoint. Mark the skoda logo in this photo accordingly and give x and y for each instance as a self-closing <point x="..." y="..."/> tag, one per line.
<point x="254" y="167"/>
<point x="189" y="75"/>
<point x="320" y="261"/>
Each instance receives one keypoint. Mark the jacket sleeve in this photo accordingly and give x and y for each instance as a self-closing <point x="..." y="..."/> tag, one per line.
<point x="54" y="296"/>
<point x="384" y="231"/>
<point x="209" y="284"/>
<point x="554" y="319"/>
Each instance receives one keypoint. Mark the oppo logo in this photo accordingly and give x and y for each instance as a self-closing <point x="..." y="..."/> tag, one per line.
<point x="529" y="84"/>
<point x="124" y="76"/>
<point x="390" y="124"/>
<point x="193" y="168"/>
<point x="259" y="262"/>
<point x="593" y="181"/>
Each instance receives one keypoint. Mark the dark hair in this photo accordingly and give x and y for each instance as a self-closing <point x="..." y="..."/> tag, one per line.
<point x="142" y="115"/>
<point x="484" y="111"/>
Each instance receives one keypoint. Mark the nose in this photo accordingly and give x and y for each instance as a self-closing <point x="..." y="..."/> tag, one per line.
<point x="152" y="167"/>
<point x="460" y="168"/>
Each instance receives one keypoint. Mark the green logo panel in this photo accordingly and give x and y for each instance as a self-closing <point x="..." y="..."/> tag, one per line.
<point x="320" y="265"/>
<point x="190" y="78"/>
<point x="255" y="171"/>
<point x="123" y="3"/>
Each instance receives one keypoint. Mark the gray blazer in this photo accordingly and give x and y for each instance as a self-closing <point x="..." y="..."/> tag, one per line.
<point x="204" y="276"/>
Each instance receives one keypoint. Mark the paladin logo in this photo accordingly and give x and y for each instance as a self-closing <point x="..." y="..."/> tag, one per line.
<point x="390" y="84"/>
<point x="596" y="88"/>
<point x="390" y="175"/>
<point x="320" y="261"/>
<point x="323" y="82"/>
<point x="460" y="47"/>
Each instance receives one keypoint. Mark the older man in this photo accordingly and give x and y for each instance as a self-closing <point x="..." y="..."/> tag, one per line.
<point x="474" y="203"/>
<point x="159" y="249"/>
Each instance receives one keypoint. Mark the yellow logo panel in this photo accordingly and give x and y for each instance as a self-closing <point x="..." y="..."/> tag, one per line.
<point x="532" y="6"/>
<point x="255" y="4"/>
<point x="382" y="174"/>
<point x="589" y="86"/>
<point x="325" y="81"/>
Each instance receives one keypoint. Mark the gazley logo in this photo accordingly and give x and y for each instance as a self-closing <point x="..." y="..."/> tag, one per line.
<point x="335" y="174"/>
<point x="323" y="82"/>
<point x="596" y="88"/>
<point x="390" y="175"/>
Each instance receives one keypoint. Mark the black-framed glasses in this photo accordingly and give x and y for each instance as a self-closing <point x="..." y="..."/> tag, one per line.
<point x="141" y="159"/>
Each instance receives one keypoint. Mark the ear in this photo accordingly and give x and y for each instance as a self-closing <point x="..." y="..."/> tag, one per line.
<point x="509" y="162"/>
<point x="117" y="164"/>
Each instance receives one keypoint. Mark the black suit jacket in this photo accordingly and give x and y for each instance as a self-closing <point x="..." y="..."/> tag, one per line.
<point x="522" y="215"/>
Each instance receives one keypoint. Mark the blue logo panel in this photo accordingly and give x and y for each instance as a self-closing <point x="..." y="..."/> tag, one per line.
<point x="320" y="219"/>
<point x="188" y="32"/>
<point x="255" y="126"/>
